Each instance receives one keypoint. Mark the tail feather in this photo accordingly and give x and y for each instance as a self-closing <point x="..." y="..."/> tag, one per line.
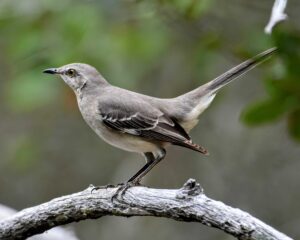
<point x="214" y="85"/>
<point x="237" y="71"/>
<point x="203" y="95"/>
<point x="189" y="144"/>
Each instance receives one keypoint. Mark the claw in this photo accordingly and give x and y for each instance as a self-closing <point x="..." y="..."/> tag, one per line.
<point x="122" y="190"/>
<point x="95" y="188"/>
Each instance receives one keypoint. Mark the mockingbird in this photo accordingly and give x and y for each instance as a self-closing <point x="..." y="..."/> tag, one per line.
<point x="139" y="123"/>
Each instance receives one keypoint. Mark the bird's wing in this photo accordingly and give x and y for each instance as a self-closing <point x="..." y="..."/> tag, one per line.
<point x="139" y="118"/>
<point x="143" y="120"/>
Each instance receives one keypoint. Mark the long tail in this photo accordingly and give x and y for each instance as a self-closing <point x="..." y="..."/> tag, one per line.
<point x="193" y="103"/>
<point x="203" y="95"/>
<point x="214" y="85"/>
<point x="219" y="82"/>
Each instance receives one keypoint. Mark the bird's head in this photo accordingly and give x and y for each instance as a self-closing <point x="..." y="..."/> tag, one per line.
<point x="78" y="75"/>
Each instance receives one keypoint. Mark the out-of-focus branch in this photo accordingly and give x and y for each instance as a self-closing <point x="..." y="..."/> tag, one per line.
<point x="186" y="204"/>
<point x="57" y="233"/>
<point x="277" y="15"/>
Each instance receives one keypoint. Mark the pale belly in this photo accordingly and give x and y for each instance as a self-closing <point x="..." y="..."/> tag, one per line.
<point x="124" y="141"/>
<point x="127" y="142"/>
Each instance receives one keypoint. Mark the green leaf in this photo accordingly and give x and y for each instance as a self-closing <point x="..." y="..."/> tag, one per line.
<point x="274" y="88"/>
<point x="268" y="110"/>
<point x="288" y="42"/>
<point x="294" y="124"/>
<point x="283" y="88"/>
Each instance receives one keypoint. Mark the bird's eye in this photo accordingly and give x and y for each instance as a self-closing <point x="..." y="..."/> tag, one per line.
<point x="71" y="72"/>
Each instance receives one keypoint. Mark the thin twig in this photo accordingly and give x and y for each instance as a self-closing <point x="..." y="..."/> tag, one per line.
<point x="277" y="15"/>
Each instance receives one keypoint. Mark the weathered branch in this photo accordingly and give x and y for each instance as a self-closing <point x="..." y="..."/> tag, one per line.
<point x="186" y="204"/>
<point x="56" y="233"/>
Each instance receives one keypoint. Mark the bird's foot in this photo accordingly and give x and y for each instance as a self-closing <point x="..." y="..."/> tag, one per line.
<point x="95" y="188"/>
<point x="122" y="188"/>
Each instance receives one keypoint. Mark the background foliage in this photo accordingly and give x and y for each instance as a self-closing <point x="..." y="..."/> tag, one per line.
<point x="161" y="48"/>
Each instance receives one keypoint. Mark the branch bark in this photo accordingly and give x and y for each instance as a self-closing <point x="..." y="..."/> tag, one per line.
<point x="56" y="233"/>
<point x="188" y="204"/>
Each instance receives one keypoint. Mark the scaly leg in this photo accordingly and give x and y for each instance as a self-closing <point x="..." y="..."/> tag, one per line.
<point x="152" y="160"/>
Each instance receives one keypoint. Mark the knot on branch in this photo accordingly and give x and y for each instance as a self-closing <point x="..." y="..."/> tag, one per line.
<point x="191" y="188"/>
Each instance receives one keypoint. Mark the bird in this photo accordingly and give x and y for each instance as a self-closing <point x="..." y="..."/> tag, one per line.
<point x="140" y="123"/>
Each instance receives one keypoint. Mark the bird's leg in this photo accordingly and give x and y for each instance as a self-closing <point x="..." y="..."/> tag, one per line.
<point x="131" y="182"/>
<point x="136" y="178"/>
<point x="152" y="160"/>
<point x="95" y="188"/>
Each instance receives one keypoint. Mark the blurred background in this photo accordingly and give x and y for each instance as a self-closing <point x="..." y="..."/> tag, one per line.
<point x="161" y="48"/>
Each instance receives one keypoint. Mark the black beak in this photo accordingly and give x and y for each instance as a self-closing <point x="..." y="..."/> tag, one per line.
<point x="51" y="71"/>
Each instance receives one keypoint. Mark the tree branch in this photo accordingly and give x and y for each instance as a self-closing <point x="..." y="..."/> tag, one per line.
<point x="56" y="233"/>
<point x="277" y="15"/>
<point x="188" y="204"/>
